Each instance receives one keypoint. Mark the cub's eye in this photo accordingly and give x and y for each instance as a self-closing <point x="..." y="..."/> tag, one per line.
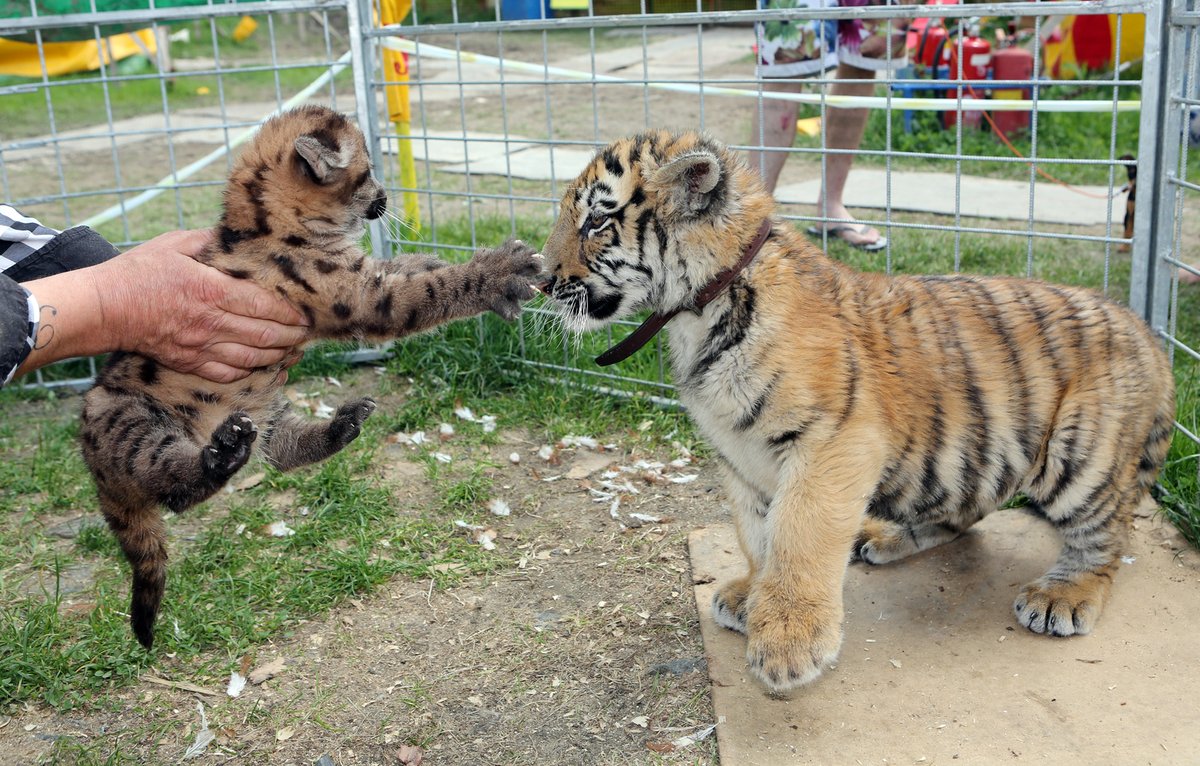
<point x="595" y="221"/>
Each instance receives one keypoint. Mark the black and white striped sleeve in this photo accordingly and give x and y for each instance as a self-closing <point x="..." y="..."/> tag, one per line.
<point x="20" y="237"/>
<point x="18" y="326"/>
<point x="29" y="251"/>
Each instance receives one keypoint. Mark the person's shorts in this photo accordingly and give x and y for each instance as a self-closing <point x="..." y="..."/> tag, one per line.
<point x="805" y="48"/>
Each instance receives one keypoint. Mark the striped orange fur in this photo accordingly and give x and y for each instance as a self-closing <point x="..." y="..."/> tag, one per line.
<point x="859" y="414"/>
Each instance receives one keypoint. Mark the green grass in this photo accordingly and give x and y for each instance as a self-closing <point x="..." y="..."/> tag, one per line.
<point x="913" y="251"/>
<point x="229" y="592"/>
<point x="77" y="100"/>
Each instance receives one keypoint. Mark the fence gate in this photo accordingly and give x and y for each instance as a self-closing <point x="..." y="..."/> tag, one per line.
<point x="1168" y="256"/>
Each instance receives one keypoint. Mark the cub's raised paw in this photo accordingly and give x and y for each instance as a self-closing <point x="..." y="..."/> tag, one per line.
<point x="347" y="421"/>
<point x="229" y="448"/>
<point x="509" y="273"/>
<point x="729" y="604"/>
<point x="790" y="646"/>
<point x="1063" y="608"/>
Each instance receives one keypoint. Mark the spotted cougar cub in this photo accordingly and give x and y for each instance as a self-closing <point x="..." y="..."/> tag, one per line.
<point x="293" y="217"/>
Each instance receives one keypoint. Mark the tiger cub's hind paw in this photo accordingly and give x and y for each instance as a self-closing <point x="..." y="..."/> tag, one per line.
<point x="347" y="421"/>
<point x="229" y="448"/>
<point x="1060" y="608"/>
<point x="881" y="542"/>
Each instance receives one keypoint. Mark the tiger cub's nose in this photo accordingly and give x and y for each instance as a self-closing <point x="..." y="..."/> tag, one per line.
<point x="378" y="206"/>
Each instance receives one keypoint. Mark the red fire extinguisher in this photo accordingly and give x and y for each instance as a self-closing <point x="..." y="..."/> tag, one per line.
<point x="929" y="45"/>
<point x="976" y="60"/>
<point x="1011" y="63"/>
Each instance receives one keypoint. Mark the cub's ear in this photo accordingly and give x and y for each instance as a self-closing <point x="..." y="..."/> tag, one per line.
<point x="688" y="181"/>
<point x="319" y="162"/>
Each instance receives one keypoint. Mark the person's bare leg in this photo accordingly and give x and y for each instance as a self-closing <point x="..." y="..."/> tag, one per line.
<point x="777" y="129"/>
<point x="844" y="130"/>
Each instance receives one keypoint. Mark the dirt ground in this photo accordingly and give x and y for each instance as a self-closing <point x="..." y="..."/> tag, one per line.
<point x="582" y="647"/>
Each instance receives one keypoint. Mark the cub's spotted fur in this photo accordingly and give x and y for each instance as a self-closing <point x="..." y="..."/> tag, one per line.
<point x="860" y="413"/>
<point x="293" y="216"/>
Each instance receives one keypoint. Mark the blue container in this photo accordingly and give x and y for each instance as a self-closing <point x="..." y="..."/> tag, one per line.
<point x="514" y="10"/>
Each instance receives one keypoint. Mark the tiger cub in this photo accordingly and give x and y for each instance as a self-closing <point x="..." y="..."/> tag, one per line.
<point x="293" y="217"/>
<point x="860" y="414"/>
<point x="1130" y="201"/>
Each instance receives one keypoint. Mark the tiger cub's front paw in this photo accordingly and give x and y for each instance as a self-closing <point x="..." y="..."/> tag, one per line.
<point x="508" y="274"/>
<point x="729" y="604"/>
<point x="791" y="642"/>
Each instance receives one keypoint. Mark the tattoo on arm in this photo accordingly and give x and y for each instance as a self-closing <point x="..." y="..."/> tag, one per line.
<point x="45" y="333"/>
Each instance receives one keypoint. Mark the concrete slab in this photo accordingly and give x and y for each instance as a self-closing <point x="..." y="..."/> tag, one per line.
<point x="454" y="147"/>
<point x="534" y="164"/>
<point x="935" y="669"/>
<point x="978" y="197"/>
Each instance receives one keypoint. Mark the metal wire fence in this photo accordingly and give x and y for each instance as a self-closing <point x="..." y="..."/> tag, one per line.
<point x="141" y="144"/>
<point x="506" y="111"/>
<point x="1171" y="306"/>
<point x="477" y="123"/>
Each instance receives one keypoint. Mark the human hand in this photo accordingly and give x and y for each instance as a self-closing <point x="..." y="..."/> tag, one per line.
<point x="159" y="301"/>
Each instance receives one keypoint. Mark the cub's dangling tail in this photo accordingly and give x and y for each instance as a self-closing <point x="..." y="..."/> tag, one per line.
<point x="143" y="537"/>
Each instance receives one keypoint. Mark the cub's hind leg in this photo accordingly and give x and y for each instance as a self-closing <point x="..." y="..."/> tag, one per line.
<point x="1086" y="486"/>
<point x="294" y="441"/>
<point x="134" y="449"/>
<point x="141" y="459"/>
<point x="1068" y="599"/>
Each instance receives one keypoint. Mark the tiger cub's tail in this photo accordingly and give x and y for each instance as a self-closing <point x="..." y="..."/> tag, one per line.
<point x="142" y="534"/>
<point x="1158" y="442"/>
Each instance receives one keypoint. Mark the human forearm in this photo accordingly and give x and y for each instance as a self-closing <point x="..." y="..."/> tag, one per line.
<point x="69" y="305"/>
<point x="156" y="300"/>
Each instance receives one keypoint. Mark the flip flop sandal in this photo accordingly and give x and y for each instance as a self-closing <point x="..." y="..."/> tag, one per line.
<point x="838" y="231"/>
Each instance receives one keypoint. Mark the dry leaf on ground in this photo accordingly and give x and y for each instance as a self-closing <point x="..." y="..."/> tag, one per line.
<point x="266" y="672"/>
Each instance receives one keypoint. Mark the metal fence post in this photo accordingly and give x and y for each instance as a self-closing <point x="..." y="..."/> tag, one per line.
<point x="358" y="17"/>
<point x="1158" y="145"/>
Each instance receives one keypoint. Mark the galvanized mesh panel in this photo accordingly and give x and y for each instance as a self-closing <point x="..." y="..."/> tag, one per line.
<point x="506" y="111"/>
<point x="1173" y="265"/>
<point x="142" y="144"/>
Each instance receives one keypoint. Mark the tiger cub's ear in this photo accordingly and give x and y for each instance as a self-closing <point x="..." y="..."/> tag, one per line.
<point x="687" y="181"/>
<point x="319" y="162"/>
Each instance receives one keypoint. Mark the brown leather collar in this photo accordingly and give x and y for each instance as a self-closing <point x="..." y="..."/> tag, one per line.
<point x="648" y="329"/>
